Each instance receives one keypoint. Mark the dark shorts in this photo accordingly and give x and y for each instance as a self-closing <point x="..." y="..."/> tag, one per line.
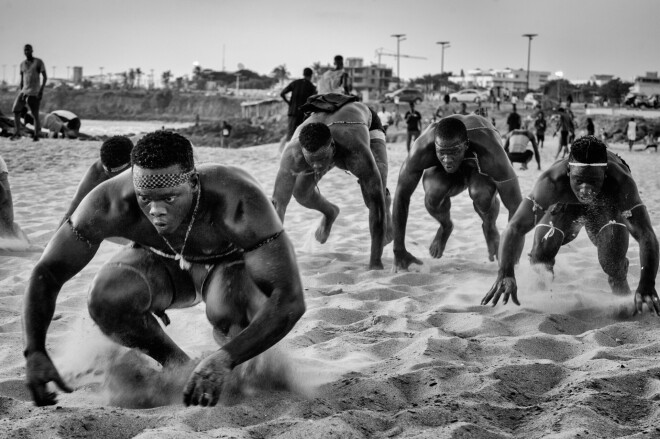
<point x="520" y="157"/>
<point x="540" y="137"/>
<point x="74" y="124"/>
<point x="23" y="101"/>
<point x="563" y="139"/>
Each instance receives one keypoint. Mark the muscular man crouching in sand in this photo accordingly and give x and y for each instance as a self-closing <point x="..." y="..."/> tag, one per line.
<point x="593" y="188"/>
<point x="456" y="153"/>
<point x="352" y="139"/>
<point x="207" y="233"/>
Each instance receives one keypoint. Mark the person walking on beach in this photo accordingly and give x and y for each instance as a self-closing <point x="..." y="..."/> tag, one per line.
<point x="456" y="153"/>
<point x="566" y="130"/>
<point x="592" y="188"/>
<point x="351" y="138"/>
<point x="201" y="233"/>
<point x="540" y="125"/>
<point x="385" y="118"/>
<point x="631" y="132"/>
<point x="413" y="120"/>
<point x="591" y="128"/>
<point x="115" y="158"/>
<point x="513" y="121"/>
<point x="300" y="90"/>
<point x="335" y="80"/>
<point x="30" y="92"/>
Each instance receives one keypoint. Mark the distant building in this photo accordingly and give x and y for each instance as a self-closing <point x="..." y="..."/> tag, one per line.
<point x="601" y="80"/>
<point x="77" y="75"/>
<point x="371" y="78"/>
<point x="646" y="85"/>
<point x="513" y="80"/>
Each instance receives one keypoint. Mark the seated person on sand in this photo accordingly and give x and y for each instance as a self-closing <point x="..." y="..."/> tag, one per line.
<point x="453" y="154"/>
<point x="200" y="233"/>
<point x="115" y="159"/>
<point x="350" y="138"/>
<point x="58" y="123"/>
<point x="593" y="188"/>
<point x="521" y="146"/>
<point x="12" y="238"/>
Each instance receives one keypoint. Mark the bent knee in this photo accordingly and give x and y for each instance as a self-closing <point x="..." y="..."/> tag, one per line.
<point x="118" y="288"/>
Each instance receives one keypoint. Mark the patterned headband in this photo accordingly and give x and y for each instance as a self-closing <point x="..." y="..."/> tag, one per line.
<point x="160" y="181"/>
<point x="587" y="164"/>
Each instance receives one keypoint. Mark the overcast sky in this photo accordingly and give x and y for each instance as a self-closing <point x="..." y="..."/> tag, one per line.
<point x="577" y="37"/>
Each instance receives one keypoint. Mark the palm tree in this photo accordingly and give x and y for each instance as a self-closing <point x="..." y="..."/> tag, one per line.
<point x="165" y="77"/>
<point x="281" y="73"/>
<point x="138" y="73"/>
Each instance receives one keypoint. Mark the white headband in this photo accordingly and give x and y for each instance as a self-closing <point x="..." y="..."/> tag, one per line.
<point x="586" y="164"/>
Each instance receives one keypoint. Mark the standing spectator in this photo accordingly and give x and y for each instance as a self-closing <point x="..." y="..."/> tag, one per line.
<point x="414" y="125"/>
<point x="498" y="102"/>
<point x="540" y="125"/>
<point x="514" y="102"/>
<point x="631" y="132"/>
<point x="444" y="109"/>
<point x="385" y="118"/>
<point x="30" y="93"/>
<point x="463" y="110"/>
<point x="591" y="128"/>
<point x="566" y="130"/>
<point x="336" y="80"/>
<point x="300" y="90"/>
<point x="513" y="121"/>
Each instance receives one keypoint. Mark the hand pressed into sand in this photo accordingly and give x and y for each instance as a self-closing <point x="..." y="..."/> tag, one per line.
<point x="39" y="370"/>
<point x="648" y="296"/>
<point x="504" y="285"/>
<point x="206" y="382"/>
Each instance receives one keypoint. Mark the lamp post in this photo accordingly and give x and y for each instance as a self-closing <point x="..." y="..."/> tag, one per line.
<point x="529" y="52"/>
<point x="399" y="38"/>
<point x="442" y="60"/>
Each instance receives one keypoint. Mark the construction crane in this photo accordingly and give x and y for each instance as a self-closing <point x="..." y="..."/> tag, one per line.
<point x="383" y="52"/>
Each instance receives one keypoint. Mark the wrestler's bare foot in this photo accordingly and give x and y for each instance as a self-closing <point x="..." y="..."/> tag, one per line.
<point x="437" y="247"/>
<point x="323" y="231"/>
<point x="619" y="287"/>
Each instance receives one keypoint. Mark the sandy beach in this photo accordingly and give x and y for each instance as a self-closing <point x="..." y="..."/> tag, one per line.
<point x="377" y="355"/>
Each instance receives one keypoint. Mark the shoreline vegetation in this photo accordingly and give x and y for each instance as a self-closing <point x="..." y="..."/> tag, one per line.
<point x="207" y="112"/>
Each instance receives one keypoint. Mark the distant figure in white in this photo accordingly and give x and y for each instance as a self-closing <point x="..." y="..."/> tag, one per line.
<point x="336" y="80"/>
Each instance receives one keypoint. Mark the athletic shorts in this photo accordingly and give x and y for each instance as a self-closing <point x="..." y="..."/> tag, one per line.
<point x="520" y="157"/>
<point x="22" y="101"/>
<point x="540" y="137"/>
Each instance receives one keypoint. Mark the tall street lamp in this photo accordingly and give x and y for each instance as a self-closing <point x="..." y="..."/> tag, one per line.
<point x="399" y="38"/>
<point x="442" y="60"/>
<point x="529" y="52"/>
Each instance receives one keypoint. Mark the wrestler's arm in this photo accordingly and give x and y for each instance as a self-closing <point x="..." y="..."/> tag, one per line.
<point x="639" y="226"/>
<point x="421" y="156"/>
<point x="500" y="169"/>
<point x="362" y="164"/>
<point x="272" y="266"/>
<point x="286" y="179"/>
<point x="67" y="253"/>
<point x="513" y="239"/>
<point x="93" y="177"/>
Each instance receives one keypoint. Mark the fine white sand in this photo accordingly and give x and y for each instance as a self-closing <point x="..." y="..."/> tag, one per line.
<point x="378" y="354"/>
